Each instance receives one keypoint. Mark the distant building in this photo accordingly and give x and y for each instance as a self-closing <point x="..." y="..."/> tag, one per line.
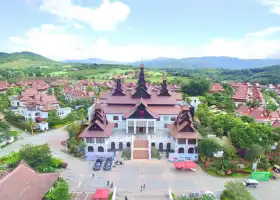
<point x="33" y="105"/>
<point x="216" y="87"/>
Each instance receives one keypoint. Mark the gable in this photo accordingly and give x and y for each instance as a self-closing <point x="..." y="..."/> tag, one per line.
<point x="95" y="127"/>
<point x="141" y="112"/>
<point x="164" y="92"/>
<point x="141" y="93"/>
<point x="187" y="129"/>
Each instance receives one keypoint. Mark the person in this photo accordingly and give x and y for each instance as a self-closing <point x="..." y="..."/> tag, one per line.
<point x="144" y="186"/>
<point x="125" y="198"/>
<point x="92" y="174"/>
<point x="108" y="183"/>
<point x="141" y="189"/>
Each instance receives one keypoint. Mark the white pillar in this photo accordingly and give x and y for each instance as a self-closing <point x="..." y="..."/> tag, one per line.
<point x="155" y="125"/>
<point x="126" y="127"/>
<point x="147" y="126"/>
<point x="134" y="123"/>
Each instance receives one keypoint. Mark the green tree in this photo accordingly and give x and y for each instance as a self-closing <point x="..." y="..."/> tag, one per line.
<point x="247" y="119"/>
<point x="208" y="147"/>
<point x="271" y="106"/>
<point x="235" y="191"/>
<point x="31" y="125"/>
<point x="36" y="155"/>
<point x="196" y="87"/>
<point x="60" y="191"/>
<point x="53" y="119"/>
<point x="90" y="88"/>
<point x="5" y="102"/>
<point x="254" y="152"/>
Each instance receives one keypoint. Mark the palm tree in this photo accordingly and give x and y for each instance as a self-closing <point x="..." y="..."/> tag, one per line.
<point x="31" y="124"/>
<point x="82" y="115"/>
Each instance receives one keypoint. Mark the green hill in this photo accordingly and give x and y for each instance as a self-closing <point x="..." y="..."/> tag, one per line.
<point x="26" y="59"/>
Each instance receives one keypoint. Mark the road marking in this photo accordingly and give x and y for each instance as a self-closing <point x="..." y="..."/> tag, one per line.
<point x="86" y="196"/>
<point x="79" y="184"/>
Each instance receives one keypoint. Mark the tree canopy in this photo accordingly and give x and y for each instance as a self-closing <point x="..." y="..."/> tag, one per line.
<point x="235" y="191"/>
<point x="196" y="87"/>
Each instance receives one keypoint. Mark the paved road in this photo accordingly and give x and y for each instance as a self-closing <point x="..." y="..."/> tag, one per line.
<point x="157" y="175"/>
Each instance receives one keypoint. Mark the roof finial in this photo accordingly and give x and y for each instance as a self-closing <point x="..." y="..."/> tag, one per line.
<point x="142" y="65"/>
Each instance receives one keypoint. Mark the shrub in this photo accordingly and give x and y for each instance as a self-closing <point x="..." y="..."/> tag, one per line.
<point x="264" y="163"/>
<point x="56" y="162"/>
<point x="45" y="169"/>
<point x="126" y="153"/>
<point x="12" y="159"/>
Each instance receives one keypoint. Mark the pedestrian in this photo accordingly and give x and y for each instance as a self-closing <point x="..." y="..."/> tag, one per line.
<point x="144" y="186"/>
<point x="92" y="174"/>
<point x="108" y="183"/>
<point x="125" y="198"/>
<point x="141" y="189"/>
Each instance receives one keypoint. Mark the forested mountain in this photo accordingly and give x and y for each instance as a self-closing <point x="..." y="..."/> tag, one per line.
<point x="193" y="63"/>
<point x="264" y="75"/>
<point x="25" y="59"/>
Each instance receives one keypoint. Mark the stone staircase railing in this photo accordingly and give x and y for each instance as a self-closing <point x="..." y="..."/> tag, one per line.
<point x="132" y="146"/>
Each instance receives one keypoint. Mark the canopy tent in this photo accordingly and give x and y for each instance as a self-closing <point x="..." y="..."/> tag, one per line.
<point x="185" y="165"/>
<point x="101" y="194"/>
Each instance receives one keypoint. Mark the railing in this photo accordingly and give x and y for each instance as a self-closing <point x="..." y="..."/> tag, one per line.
<point x="132" y="146"/>
<point x="149" y="146"/>
<point x="161" y="138"/>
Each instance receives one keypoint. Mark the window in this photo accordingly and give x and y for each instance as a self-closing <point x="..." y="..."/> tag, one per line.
<point x="116" y="118"/>
<point x="100" y="140"/>
<point x="173" y="118"/>
<point x="90" y="140"/>
<point x="165" y="118"/>
<point x="181" y="141"/>
<point x="116" y="125"/>
<point x="191" y="141"/>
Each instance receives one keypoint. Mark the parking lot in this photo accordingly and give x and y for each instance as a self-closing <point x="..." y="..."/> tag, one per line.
<point x="158" y="176"/>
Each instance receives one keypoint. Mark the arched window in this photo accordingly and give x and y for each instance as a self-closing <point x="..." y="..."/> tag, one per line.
<point x="181" y="150"/>
<point x="90" y="149"/>
<point x="100" y="149"/>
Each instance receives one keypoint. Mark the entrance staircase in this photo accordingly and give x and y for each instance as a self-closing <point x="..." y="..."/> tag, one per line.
<point x="140" y="148"/>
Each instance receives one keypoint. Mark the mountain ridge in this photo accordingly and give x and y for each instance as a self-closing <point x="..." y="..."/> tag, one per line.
<point x="192" y="62"/>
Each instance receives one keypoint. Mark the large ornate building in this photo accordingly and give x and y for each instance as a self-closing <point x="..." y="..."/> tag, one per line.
<point x="140" y="119"/>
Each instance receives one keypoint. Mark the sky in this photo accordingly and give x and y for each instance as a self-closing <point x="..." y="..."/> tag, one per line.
<point x="131" y="30"/>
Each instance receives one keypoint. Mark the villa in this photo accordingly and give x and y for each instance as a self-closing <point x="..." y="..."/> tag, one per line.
<point x="141" y="118"/>
<point x="35" y="105"/>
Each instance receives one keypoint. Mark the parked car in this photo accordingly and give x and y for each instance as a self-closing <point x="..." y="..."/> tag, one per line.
<point x="251" y="183"/>
<point x="108" y="164"/>
<point x="276" y="168"/>
<point x="97" y="165"/>
<point x="193" y="194"/>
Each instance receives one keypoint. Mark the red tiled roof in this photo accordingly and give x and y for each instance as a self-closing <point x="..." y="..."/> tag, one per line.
<point x="154" y="100"/>
<point x="24" y="183"/>
<point x="76" y="92"/>
<point x="241" y="93"/>
<point x="3" y="85"/>
<point x="217" y="87"/>
<point x="276" y="124"/>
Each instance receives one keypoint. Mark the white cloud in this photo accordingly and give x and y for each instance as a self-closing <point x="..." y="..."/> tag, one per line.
<point x="265" y="32"/>
<point x="103" y="18"/>
<point x="56" y="43"/>
<point x="273" y="4"/>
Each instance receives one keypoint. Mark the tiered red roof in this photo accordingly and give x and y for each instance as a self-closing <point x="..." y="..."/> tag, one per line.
<point x="183" y="127"/>
<point x="257" y="95"/>
<point x="216" y="87"/>
<point x="99" y="125"/>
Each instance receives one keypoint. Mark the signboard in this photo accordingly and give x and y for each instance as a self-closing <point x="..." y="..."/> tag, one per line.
<point x="173" y="157"/>
<point x="260" y="176"/>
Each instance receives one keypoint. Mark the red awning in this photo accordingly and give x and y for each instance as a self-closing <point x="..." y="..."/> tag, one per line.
<point x="101" y="194"/>
<point x="39" y="119"/>
<point x="185" y="165"/>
